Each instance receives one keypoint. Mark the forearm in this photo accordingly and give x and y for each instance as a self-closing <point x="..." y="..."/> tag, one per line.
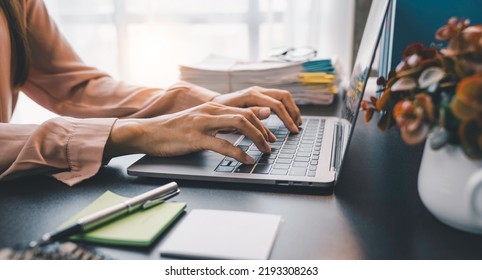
<point x="178" y="97"/>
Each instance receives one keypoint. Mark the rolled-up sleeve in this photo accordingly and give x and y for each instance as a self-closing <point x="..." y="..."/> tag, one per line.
<point x="71" y="150"/>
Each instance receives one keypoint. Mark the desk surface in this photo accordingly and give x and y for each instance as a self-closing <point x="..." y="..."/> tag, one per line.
<point x="376" y="212"/>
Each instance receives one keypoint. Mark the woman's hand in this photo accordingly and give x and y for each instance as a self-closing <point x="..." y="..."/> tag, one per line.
<point x="189" y="131"/>
<point x="280" y="101"/>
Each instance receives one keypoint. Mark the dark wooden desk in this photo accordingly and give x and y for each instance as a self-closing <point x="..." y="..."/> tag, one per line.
<point x="375" y="213"/>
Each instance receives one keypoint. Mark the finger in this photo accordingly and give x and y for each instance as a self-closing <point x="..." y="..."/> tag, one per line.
<point x="277" y="106"/>
<point x="272" y="137"/>
<point x="249" y="115"/>
<point x="287" y="99"/>
<point x="240" y="123"/>
<point x="261" y="112"/>
<point x="226" y="148"/>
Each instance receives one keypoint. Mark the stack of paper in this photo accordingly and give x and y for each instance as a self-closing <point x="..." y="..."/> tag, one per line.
<point x="313" y="82"/>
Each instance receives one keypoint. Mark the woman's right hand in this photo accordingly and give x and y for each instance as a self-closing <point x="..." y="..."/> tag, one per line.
<point x="190" y="131"/>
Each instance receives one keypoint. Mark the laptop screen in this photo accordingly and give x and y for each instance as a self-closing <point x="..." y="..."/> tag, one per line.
<point x="364" y="60"/>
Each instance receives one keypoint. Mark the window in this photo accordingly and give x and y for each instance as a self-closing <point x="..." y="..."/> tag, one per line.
<point x="144" y="41"/>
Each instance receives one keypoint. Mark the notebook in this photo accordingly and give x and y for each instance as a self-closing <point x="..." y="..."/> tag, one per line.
<point x="140" y="228"/>
<point x="308" y="162"/>
<point x="218" y="234"/>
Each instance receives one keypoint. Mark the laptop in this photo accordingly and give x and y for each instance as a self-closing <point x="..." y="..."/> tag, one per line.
<point x="308" y="162"/>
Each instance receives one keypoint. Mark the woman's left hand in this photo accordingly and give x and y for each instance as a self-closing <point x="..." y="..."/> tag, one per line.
<point x="280" y="101"/>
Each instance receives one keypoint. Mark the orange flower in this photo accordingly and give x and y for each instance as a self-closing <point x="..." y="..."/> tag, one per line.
<point x="369" y="107"/>
<point x="467" y="103"/>
<point x="452" y="32"/>
<point x="414" y="118"/>
<point x="467" y="106"/>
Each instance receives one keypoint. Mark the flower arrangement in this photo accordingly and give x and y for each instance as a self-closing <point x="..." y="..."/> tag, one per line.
<point x="436" y="90"/>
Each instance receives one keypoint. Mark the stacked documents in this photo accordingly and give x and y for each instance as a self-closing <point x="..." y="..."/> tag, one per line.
<point x="312" y="82"/>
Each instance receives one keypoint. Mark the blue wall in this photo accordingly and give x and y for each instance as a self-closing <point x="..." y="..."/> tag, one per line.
<point x="417" y="20"/>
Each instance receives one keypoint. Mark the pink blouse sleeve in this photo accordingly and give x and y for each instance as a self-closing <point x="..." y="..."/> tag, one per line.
<point x="71" y="149"/>
<point x="62" y="83"/>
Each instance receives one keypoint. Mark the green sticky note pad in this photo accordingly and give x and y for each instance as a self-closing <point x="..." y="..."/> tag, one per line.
<point x="140" y="228"/>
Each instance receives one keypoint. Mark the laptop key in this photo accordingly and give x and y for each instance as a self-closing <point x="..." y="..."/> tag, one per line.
<point x="284" y="160"/>
<point x="244" y="168"/>
<point x="303" y="154"/>
<point x="253" y="149"/>
<point x="245" y="142"/>
<point x="266" y="161"/>
<point x="281" y="166"/>
<point x="227" y="169"/>
<point x="312" y="168"/>
<point x="311" y="174"/>
<point x="298" y="171"/>
<point x="290" y="145"/>
<point x="302" y="159"/>
<point x="289" y="156"/>
<point x="300" y="164"/>
<point x="254" y="154"/>
<point x="243" y="147"/>
<point x="279" y="172"/>
<point x="262" y="169"/>
<point x="288" y="151"/>
<point x="280" y="135"/>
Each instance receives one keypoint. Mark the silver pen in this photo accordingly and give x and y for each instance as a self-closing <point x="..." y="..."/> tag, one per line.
<point x="144" y="201"/>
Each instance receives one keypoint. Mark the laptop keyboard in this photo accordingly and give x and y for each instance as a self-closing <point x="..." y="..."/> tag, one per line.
<point x="291" y="154"/>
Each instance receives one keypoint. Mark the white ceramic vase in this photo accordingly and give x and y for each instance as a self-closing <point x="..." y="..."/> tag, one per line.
<point x="450" y="186"/>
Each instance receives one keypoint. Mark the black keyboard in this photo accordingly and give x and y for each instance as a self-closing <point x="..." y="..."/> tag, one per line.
<point x="291" y="154"/>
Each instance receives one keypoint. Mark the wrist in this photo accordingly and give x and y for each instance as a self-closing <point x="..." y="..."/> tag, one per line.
<point x="123" y="138"/>
<point x="185" y="95"/>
